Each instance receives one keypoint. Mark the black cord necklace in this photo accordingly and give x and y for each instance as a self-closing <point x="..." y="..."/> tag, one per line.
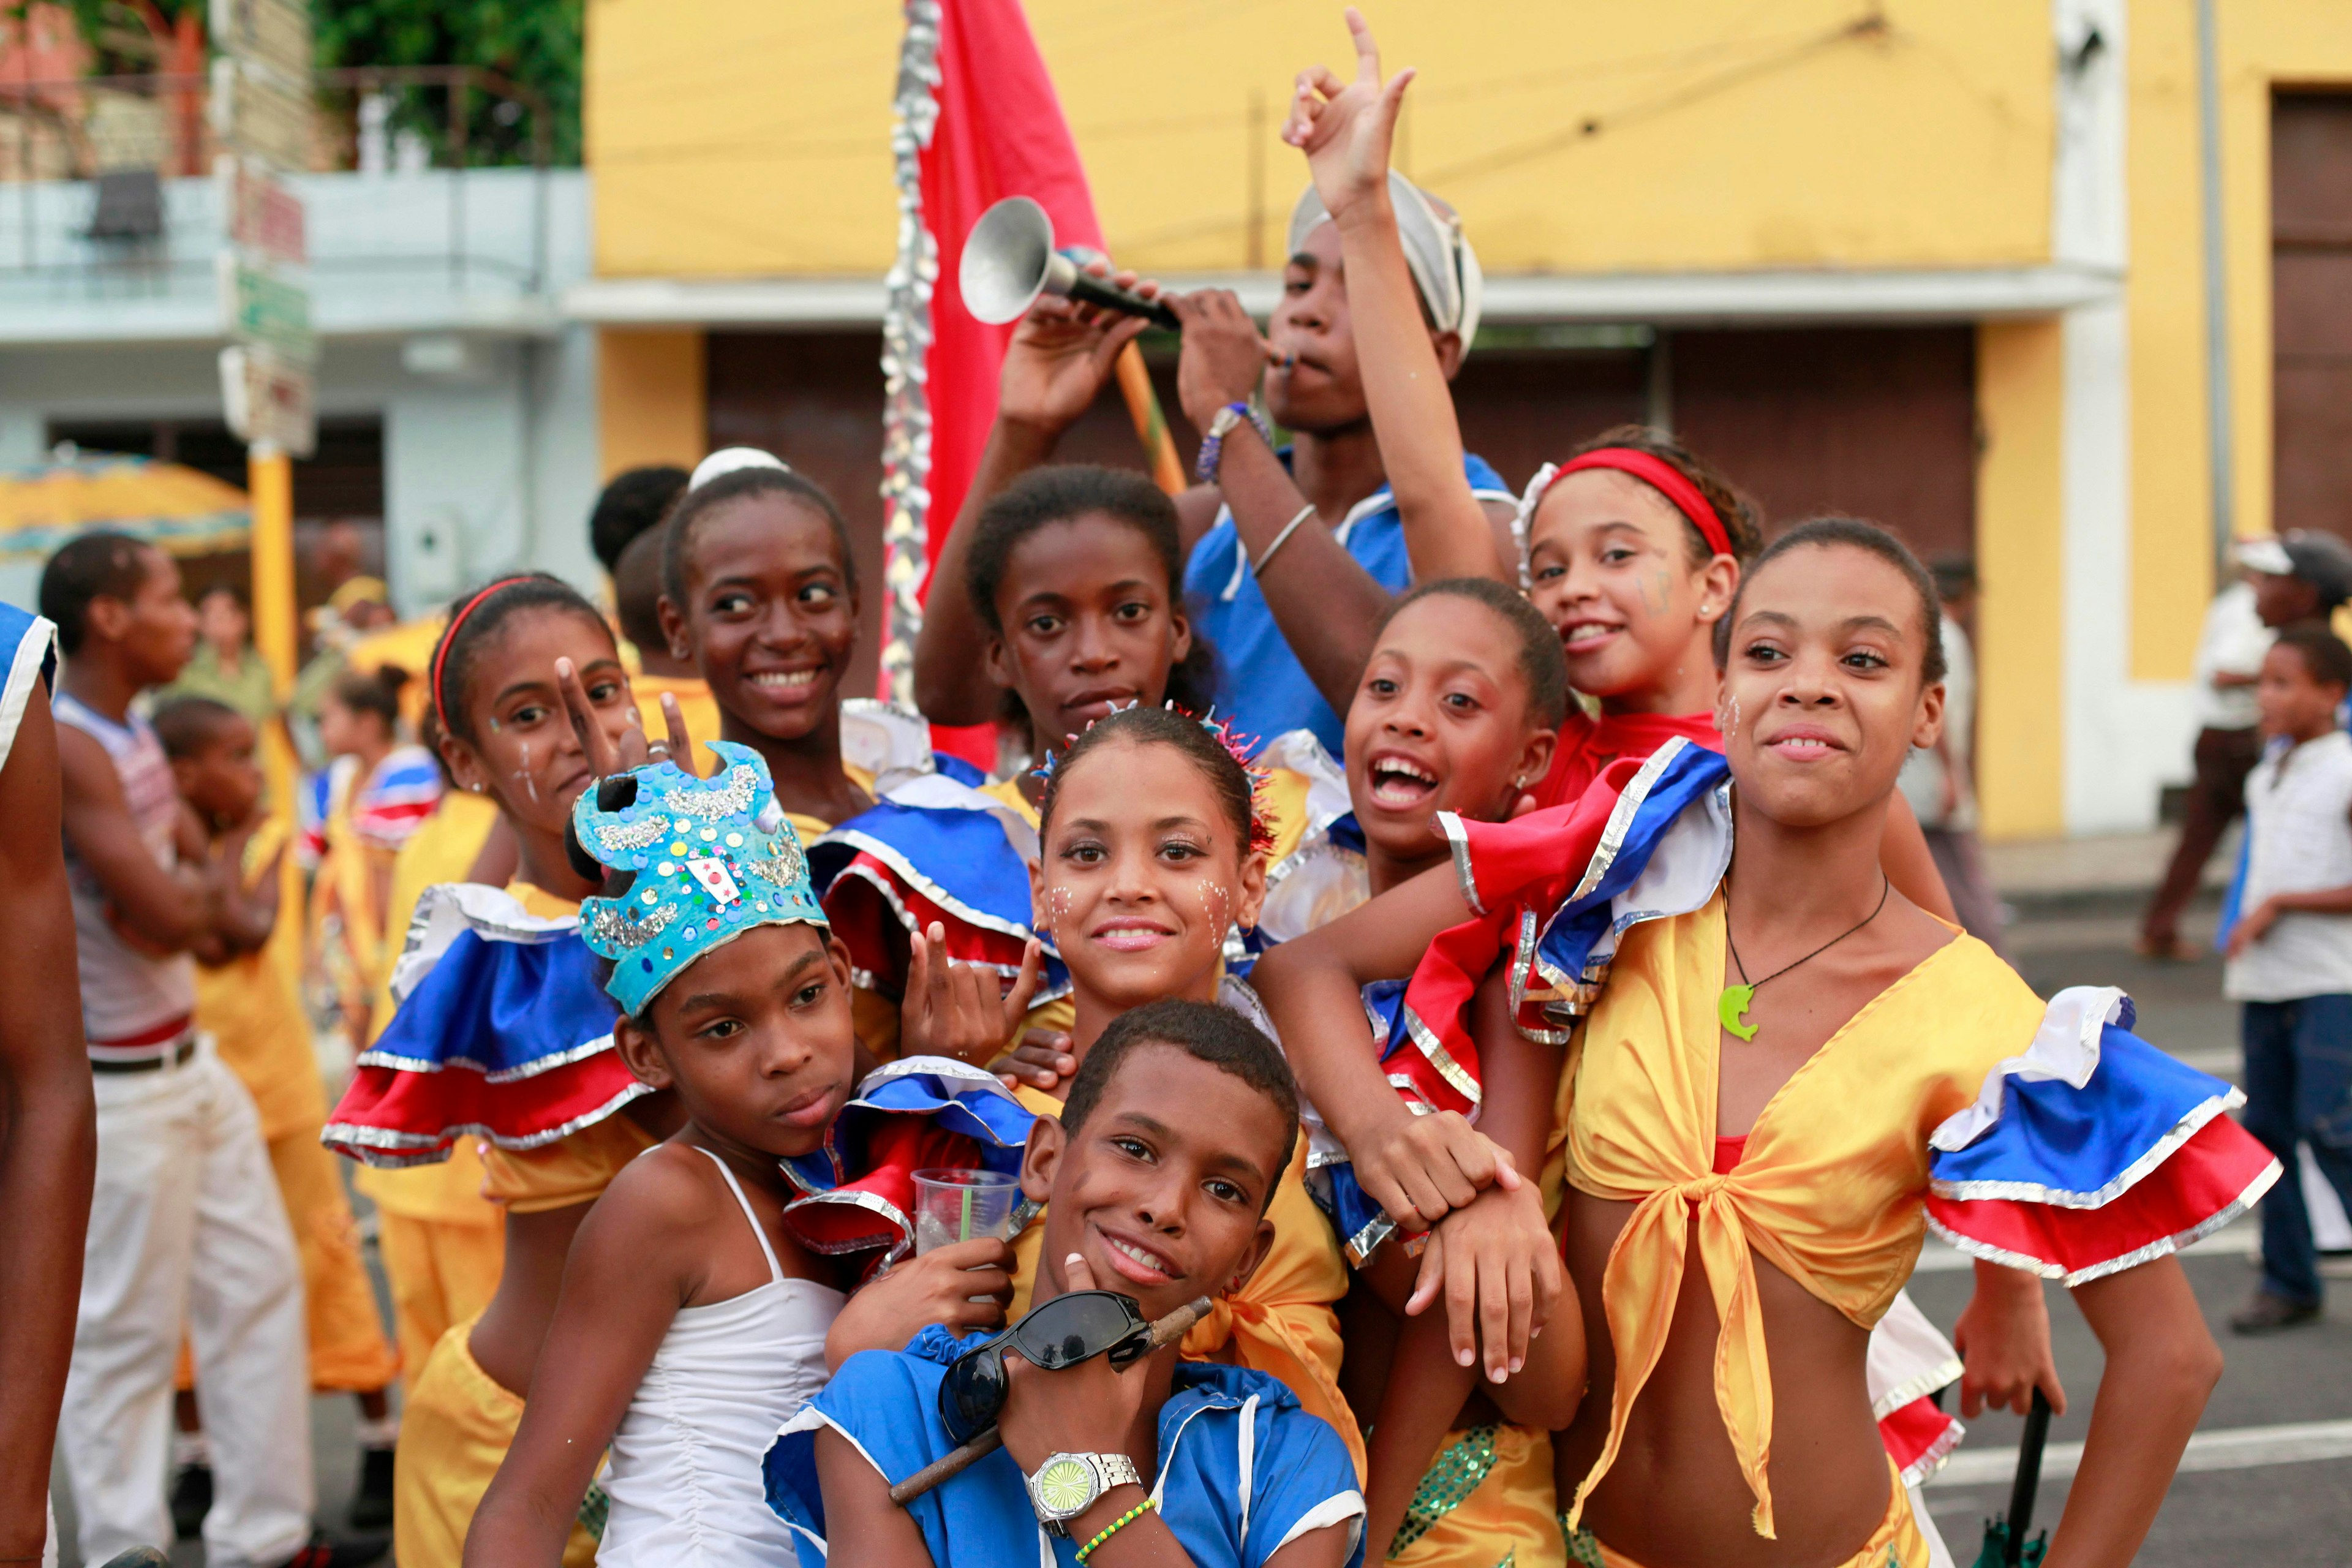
<point x="1731" y="1007"/>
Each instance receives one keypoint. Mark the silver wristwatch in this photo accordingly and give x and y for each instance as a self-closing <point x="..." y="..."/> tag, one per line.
<point x="1067" y="1485"/>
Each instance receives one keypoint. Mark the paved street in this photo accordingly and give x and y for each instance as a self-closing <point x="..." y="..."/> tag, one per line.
<point x="2249" y="1493"/>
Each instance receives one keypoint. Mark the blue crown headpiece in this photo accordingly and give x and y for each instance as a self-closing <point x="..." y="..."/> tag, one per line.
<point x="713" y="858"/>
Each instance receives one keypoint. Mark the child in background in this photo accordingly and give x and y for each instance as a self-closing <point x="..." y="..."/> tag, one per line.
<point x="2290" y="957"/>
<point x="501" y="979"/>
<point x="1074" y="571"/>
<point x="1160" y="1209"/>
<point x="661" y="670"/>
<point x="759" y="592"/>
<point x="248" y="996"/>
<point x="375" y="791"/>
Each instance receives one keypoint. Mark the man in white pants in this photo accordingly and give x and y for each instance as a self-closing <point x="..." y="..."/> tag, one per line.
<point x="187" y="1231"/>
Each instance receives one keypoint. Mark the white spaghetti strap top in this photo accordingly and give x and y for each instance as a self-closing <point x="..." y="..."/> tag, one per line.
<point x="685" y="1478"/>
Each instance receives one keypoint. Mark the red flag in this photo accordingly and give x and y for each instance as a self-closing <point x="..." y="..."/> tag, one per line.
<point x="999" y="133"/>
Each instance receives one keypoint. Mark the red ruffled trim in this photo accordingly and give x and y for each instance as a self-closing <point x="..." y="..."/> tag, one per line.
<point x="1523" y="871"/>
<point x="390" y="1116"/>
<point x="2209" y="1180"/>
<point x="877" y="1209"/>
<point x="1919" y="1437"/>
<point x="871" y="925"/>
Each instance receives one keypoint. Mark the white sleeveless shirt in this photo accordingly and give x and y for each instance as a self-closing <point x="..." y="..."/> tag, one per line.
<point x="2299" y="833"/>
<point x="133" y="1006"/>
<point x="685" y="1480"/>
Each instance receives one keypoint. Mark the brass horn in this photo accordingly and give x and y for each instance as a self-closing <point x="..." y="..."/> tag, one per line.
<point x="1009" y="259"/>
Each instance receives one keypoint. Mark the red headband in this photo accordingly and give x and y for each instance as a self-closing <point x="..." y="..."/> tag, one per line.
<point x="1664" y="477"/>
<point x="441" y="654"/>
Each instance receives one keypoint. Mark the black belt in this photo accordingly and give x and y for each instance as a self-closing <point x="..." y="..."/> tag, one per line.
<point x="176" y="1056"/>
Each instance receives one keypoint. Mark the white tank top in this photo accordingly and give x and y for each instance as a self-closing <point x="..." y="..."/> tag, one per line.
<point x="685" y="1478"/>
<point x="2299" y="827"/>
<point x="132" y="1004"/>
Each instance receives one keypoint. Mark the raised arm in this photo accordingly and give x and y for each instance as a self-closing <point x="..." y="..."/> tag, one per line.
<point x="2162" y="1366"/>
<point x="1324" y="602"/>
<point x="1057" y="364"/>
<point x="48" y="1137"/>
<point x="1345" y="130"/>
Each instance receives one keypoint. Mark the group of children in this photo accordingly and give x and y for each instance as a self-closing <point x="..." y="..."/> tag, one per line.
<point x="1449" y="1151"/>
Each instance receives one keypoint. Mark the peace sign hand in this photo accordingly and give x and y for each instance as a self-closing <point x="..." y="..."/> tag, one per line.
<point x="607" y="755"/>
<point x="1345" y="127"/>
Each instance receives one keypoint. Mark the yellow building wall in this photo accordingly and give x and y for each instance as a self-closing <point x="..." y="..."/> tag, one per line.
<point x="652" y="398"/>
<point x="2262" y="43"/>
<point x="2020" y="565"/>
<point x="751" y="136"/>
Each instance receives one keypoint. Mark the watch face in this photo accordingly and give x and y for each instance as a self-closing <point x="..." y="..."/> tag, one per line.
<point x="1065" y="1485"/>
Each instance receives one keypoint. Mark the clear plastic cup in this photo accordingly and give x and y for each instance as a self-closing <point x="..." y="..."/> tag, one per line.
<point x="960" y="1206"/>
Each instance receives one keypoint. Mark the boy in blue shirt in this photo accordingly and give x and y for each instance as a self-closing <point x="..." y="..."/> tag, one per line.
<point x="1155" y="1179"/>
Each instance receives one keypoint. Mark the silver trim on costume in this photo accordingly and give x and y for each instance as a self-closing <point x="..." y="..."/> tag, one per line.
<point x="533" y="1068"/>
<point x="1458" y="839"/>
<point x="388" y="1149"/>
<point x="2162" y="1247"/>
<point x="905" y="346"/>
<point x="2187" y="1127"/>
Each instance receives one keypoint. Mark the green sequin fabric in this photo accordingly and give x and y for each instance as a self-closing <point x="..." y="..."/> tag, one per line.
<point x="1583" y="1546"/>
<point x="1452" y="1476"/>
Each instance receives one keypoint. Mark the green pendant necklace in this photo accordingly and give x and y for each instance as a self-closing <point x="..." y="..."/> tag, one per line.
<point x="1731" y="1007"/>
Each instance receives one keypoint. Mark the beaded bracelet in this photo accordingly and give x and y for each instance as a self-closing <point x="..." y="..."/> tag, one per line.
<point x="1213" y="446"/>
<point x="1116" y="1525"/>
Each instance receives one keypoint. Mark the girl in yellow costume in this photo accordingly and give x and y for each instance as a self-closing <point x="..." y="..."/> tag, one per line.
<point x="250" y="1001"/>
<point x="1806" y="1134"/>
<point x="487" y="1039"/>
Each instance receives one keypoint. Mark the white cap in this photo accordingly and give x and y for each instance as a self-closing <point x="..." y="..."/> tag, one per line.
<point x="1445" y="271"/>
<point x="727" y="460"/>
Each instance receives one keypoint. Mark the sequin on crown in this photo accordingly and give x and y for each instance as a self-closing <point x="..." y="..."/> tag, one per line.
<point x="712" y="857"/>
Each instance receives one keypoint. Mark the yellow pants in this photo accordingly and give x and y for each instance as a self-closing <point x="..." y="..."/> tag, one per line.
<point x="349" y="1352"/>
<point x="1896" y="1543"/>
<point x="1486" y="1500"/>
<point x="443" y="1273"/>
<point x="454" y="1432"/>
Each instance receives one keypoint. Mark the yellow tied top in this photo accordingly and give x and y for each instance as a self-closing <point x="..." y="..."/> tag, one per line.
<point x="1830" y="1187"/>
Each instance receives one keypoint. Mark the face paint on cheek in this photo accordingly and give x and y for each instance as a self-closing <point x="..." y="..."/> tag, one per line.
<point x="1730" y="720"/>
<point x="529" y="781"/>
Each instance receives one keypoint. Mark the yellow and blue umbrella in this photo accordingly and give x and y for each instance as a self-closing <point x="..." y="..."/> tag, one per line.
<point x="178" y="508"/>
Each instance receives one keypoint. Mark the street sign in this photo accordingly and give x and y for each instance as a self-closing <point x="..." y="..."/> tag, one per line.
<point x="255" y="112"/>
<point x="262" y="214"/>
<point x="269" y="401"/>
<point x="272" y="34"/>
<point x="263" y="307"/>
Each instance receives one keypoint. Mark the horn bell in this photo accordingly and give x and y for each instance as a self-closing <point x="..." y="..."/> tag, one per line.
<point x="1006" y="261"/>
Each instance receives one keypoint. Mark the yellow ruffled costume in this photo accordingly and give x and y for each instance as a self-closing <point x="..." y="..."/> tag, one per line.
<point x="252" y="1006"/>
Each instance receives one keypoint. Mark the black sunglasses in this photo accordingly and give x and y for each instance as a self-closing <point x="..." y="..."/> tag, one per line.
<point x="1058" y="1334"/>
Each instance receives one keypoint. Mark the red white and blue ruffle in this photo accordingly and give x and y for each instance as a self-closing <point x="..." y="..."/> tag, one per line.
<point x="501" y="1031"/>
<point x="932" y="849"/>
<point x="917" y="1114"/>
<point x="2092" y="1152"/>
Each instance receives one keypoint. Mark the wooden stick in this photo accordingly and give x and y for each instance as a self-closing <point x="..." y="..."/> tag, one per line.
<point x="1165" y="1332"/>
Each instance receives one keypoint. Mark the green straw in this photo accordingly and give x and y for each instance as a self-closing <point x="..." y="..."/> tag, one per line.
<point x="963" y="1225"/>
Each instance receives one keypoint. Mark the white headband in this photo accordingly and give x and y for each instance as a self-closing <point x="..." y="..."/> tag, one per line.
<point x="727" y="460"/>
<point x="1444" y="268"/>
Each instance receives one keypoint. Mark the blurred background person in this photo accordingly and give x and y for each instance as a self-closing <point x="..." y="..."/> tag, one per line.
<point x="1939" y="780"/>
<point x="2300" y="577"/>
<point x="225" y="665"/>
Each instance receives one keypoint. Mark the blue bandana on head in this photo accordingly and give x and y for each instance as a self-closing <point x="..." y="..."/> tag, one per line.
<point x="713" y="858"/>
